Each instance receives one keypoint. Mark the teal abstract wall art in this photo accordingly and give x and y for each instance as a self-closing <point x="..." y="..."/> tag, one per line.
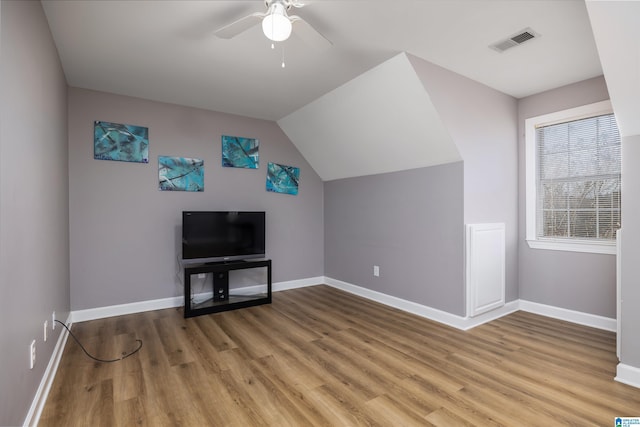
<point x="125" y="143"/>
<point x="282" y="179"/>
<point x="180" y="174"/>
<point x="240" y="152"/>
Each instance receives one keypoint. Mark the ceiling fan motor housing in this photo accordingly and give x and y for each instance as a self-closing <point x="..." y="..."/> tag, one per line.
<point x="277" y="25"/>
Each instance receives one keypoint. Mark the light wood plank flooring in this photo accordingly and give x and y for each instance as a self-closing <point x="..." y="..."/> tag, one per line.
<point x="319" y="356"/>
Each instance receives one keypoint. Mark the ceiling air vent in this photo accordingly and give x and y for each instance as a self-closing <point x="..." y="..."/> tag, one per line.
<point x="514" y="40"/>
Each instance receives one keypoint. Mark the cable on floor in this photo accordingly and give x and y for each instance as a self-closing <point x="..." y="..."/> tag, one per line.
<point x="96" y="358"/>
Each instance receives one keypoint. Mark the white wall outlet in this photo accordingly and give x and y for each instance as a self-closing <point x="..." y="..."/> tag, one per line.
<point x="202" y="275"/>
<point x="376" y="270"/>
<point x="32" y="354"/>
<point x="53" y="321"/>
<point x="46" y="328"/>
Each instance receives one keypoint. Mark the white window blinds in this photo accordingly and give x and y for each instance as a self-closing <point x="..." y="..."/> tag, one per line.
<point x="578" y="179"/>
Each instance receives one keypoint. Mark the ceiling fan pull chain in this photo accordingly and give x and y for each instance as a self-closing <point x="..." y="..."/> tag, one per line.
<point x="283" y="56"/>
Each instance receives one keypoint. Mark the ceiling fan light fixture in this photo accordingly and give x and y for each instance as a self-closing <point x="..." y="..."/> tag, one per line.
<point x="276" y="25"/>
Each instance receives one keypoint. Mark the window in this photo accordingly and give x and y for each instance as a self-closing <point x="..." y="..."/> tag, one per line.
<point x="573" y="161"/>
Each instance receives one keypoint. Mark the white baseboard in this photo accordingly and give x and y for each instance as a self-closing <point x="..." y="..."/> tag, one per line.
<point x="496" y="313"/>
<point x="458" y="322"/>
<point x="39" y="400"/>
<point x="629" y="375"/>
<point x="301" y="283"/>
<point x="466" y="323"/>
<point x="173" y="302"/>
<point x="399" y="303"/>
<point x="121" y="309"/>
<point x="586" y="319"/>
<point x="453" y="320"/>
<point x="277" y="287"/>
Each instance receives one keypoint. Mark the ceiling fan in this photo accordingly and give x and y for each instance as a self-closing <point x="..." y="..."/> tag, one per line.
<point x="277" y="25"/>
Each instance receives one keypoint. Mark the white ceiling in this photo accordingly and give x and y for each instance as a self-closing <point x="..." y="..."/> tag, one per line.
<point x="341" y="144"/>
<point x="167" y="51"/>
<point x="616" y="25"/>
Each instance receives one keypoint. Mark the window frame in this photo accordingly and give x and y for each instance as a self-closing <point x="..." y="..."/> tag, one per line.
<point x="531" y="163"/>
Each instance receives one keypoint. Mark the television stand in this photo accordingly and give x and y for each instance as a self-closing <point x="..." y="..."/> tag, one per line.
<point x="222" y="300"/>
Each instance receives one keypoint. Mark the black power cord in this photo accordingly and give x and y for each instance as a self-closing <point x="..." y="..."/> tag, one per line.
<point x="95" y="358"/>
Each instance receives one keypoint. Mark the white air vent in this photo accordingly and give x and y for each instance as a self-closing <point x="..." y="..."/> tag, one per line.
<point x="514" y="40"/>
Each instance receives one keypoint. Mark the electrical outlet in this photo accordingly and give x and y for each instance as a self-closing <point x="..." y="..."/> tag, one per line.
<point x="53" y="321"/>
<point x="376" y="270"/>
<point x="46" y="328"/>
<point x="32" y="354"/>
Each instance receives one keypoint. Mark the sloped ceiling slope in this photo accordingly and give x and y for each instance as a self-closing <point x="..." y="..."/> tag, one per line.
<point x="381" y="121"/>
<point x="615" y="27"/>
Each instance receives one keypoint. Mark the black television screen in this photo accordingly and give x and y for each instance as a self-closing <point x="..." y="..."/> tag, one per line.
<point x="222" y="236"/>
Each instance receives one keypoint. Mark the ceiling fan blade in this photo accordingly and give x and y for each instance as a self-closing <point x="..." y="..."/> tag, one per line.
<point x="239" y="26"/>
<point x="308" y="34"/>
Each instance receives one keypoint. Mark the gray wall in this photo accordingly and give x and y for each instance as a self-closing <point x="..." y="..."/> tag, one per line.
<point x="34" y="245"/>
<point x="408" y="223"/>
<point x="630" y="344"/>
<point x="483" y="125"/>
<point x="125" y="233"/>
<point x="576" y="281"/>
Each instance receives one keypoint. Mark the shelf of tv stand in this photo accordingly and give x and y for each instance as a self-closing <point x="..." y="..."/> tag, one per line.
<point x="221" y="300"/>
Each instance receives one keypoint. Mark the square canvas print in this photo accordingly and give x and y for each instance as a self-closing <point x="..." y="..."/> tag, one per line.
<point x="180" y="174"/>
<point x="282" y="179"/>
<point x="238" y="152"/>
<point x="125" y="143"/>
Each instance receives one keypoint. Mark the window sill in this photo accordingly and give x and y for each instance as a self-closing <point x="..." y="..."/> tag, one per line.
<point x="574" y="246"/>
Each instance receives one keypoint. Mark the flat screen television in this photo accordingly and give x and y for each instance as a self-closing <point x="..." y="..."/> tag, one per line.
<point x="222" y="236"/>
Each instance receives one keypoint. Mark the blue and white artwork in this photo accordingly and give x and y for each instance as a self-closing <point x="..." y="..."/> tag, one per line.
<point x="180" y="174"/>
<point x="125" y="143"/>
<point x="282" y="179"/>
<point x="240" y="152"/>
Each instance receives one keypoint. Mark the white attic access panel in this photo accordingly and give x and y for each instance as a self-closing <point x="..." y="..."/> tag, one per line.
<point x="485" y="267"/>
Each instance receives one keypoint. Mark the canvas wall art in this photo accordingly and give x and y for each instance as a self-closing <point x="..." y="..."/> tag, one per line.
<point x="238" y="152"/>
<point x="125" y="143"/>
<point x="180" y="174"/>
<point x="282" y="179"/>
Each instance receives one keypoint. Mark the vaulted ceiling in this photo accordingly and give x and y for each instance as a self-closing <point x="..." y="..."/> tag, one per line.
<point x="394" y="127"/>
<point x="615" y="26"/>
<point x="167" y="51"/>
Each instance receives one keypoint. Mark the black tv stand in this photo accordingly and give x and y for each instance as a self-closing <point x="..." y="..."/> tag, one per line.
<point x="222" y="300"/>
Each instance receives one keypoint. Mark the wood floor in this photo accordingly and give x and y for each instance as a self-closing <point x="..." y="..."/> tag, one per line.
<point x="319" y="356"/>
